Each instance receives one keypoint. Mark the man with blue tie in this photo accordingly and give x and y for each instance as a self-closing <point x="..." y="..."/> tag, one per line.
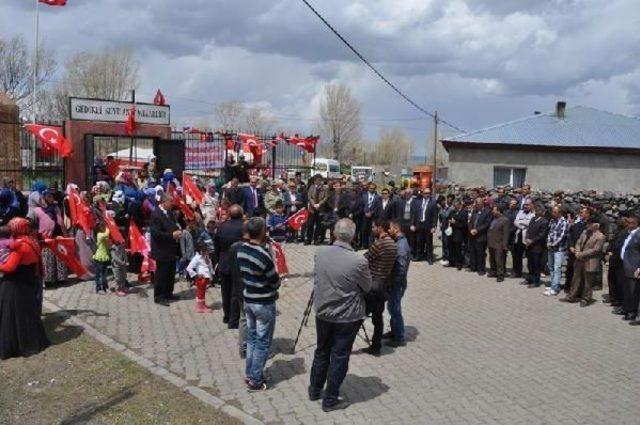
<point x="252" y="196"/>
<point x="372" y="210"/>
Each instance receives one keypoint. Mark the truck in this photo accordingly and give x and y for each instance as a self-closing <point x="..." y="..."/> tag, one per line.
<point x="327" y="168"/>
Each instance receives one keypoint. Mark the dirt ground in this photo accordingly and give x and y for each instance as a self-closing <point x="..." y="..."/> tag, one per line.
<point x="79" y="381"/>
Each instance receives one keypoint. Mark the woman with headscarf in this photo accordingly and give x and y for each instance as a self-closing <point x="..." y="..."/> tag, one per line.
<point x="35" y="198"/>
<point x="21" y="329"/>
<point x="8" y="209"/>
<point x="50" y="225"/>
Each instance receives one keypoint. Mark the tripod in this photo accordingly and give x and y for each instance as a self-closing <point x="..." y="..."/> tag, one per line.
<point x="305" y="321"/>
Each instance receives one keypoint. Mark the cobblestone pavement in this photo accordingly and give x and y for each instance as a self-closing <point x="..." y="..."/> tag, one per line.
<point x="479" y="353"/>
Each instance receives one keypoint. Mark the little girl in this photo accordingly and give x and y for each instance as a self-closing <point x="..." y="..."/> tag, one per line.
<point x="101" y="258"/>
<point x="201" y="268"/>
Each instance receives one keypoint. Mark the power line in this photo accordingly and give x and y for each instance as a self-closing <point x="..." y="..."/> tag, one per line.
<point x="375" y="70"/>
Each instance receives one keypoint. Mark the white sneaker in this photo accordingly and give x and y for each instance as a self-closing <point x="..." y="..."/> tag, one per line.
<point x="550" y="292"/>
<point x="444" y="263"/>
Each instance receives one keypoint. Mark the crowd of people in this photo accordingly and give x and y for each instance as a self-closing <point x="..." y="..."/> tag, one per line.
<point x="220" y="235"/>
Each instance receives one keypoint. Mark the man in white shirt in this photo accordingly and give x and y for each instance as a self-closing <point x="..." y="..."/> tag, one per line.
<point x="521" y="223"/>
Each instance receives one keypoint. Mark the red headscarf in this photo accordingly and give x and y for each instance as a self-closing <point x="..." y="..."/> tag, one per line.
<point x="21" y="231"/>
<point x="19" y="227"/>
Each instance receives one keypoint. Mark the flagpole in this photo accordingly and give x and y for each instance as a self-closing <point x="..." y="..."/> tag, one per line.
<point x="35" y="80"/>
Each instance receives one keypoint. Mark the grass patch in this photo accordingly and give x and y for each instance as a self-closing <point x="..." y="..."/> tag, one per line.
<point x="79" y="380"/>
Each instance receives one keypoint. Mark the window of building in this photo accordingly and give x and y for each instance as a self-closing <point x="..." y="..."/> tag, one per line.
<point x="514" y="177"/>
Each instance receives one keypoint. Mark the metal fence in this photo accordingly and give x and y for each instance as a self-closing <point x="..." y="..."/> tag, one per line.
<point x="38" y="162"/>
<point x="210" y="152"/>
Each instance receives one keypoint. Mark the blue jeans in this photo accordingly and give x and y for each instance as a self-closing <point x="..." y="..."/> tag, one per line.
<point x="556" y="258"/>
<point x="101" y="269"/>
<point x="394" y="305"/>
<point x="261" y="322"/>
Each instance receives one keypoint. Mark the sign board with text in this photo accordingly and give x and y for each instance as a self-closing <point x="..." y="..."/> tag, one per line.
<point x="115" y="111"/>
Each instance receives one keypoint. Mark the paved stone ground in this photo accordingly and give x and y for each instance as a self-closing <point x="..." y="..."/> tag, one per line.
<point x="479" y="353"/>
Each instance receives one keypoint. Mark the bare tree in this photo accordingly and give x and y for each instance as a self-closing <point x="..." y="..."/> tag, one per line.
<point x="394" y="147"/>
<point x="340" y="119"/>
<point x="228" y="115"/>
<point x="17" y="69"/>
<point x="110" y="73"/>
<point x="257" y="120"/>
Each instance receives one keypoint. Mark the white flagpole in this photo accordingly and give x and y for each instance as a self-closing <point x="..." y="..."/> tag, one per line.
<point x="35" y="80"/>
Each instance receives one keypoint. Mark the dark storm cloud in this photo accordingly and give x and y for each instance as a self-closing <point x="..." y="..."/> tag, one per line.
<point x="477" y="61"/>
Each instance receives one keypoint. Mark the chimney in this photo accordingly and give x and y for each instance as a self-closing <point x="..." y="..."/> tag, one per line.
<point x="560" y="108"/>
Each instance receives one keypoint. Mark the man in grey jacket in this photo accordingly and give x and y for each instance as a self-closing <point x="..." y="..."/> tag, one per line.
<point x="341" y="278"/>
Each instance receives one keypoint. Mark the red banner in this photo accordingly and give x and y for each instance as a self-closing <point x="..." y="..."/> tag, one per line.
<point x="280" y="259"/>
<point x="191" y="189"/>
<point x="114" y="230"/>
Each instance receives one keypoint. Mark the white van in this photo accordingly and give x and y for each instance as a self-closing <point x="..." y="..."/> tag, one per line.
<point x="327" y="168"/>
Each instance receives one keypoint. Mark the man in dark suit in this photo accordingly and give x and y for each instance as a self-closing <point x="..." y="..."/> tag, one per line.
<point x="423" y="223"/>
<point x="536" y="243"/>
<point x="478" y="227"/>
<point x="252" y="196"/>
<point x="386" y="205"/>
<point x="228" y="233"/>
<point x="165" y="234"/>
<point x="459" y="221"/>
<point x="372" y="209"/>
<point x="401" y="211"/>
<point x="631" y="261"/>
<point x="233" y="193"/>
<point x="498" y="237"/>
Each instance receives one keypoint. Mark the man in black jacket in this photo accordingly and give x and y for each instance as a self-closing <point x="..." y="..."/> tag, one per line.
<point x="459" y="221"/>
<point x="536" y="243"/>
<point x="615" y="277"/>
<point x="233" y="193"/>
<point x="165" y="234"/>
<point x="478" y="227"/>
<point x="631" y="261"/>
<point x="423" y="223"/>
<point x="228" y="233"/>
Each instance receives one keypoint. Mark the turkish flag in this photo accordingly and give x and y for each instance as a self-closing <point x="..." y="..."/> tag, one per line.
<point x="54" y="2"/>
<point x="177" y="199"/>
<point x="80" y="212"/>
<point x="310" y="143"/>
<point x="191" y="189"/>
<point x="282" y="267"/>
<point x="65" y="250"/>
<point x="51" y="136"/>
<point x="130" y="125"/>
<point x="148" y="264"/>
<point x="114" y="230"/>
<point x="137" y="241"/>
<point x="159" y="99"/>
<point x="298" y="219"/>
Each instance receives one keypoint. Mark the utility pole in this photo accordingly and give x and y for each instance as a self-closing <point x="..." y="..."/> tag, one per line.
<point x="435" y="150"/>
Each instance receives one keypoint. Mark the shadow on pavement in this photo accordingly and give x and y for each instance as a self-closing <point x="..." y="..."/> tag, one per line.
<point x="358" y="389"/>
<point x="282" y="370"/>
<point x="58" y="332"/>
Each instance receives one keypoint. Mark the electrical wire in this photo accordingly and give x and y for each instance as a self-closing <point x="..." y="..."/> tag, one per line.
<point x="378" y="73"/>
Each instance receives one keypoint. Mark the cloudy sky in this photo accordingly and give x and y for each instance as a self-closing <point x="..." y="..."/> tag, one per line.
<point x="478" y="62"/>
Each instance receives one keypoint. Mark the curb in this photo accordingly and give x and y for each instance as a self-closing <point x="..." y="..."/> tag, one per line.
<point x="155" y="369"/>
